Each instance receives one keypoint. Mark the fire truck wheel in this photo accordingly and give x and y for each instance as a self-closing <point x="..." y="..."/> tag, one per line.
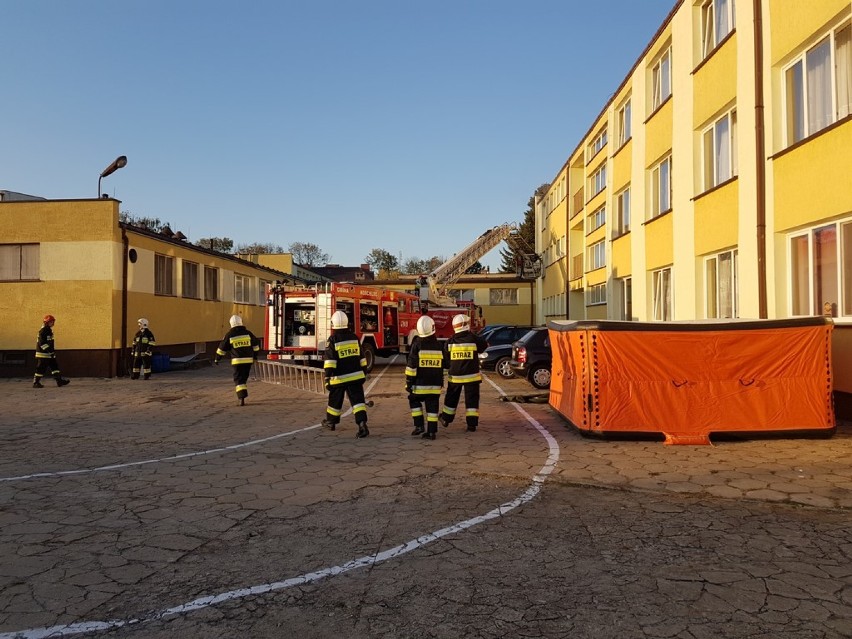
<point x="368" y="351"/>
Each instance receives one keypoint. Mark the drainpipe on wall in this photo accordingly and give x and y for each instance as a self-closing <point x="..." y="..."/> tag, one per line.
<point x="124" y="262"/>
<point x="760" y="152"/>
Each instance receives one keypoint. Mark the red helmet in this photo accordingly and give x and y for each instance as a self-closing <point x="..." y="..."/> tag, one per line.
<point x="49" y="318"/>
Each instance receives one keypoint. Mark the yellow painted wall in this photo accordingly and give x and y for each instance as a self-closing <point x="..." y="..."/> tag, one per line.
<point x="598" y="276"/>
<point x="658" y="242"/>
<point x="812" y="181"/>
<point x="658" y="134"/>
<point x="794" y="22"/>
<point x="622" y="164"/>
<point x="716" y="219"/>
<point x="621" y="257"/>
<point x="280" y="262"/>
<point x="59" y="220"/>
<point x="714" y="84"/>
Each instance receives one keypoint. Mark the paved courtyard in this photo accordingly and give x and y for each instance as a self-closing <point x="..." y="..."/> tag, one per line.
<point x="158" y="508"/>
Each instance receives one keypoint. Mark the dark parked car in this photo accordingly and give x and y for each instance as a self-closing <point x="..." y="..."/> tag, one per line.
<point x="496" y="357"/>
<point x="531" y="357"/>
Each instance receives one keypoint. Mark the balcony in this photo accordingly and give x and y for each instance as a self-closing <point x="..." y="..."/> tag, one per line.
<point x="575" y="281"/>
<point x="577" y="203"/>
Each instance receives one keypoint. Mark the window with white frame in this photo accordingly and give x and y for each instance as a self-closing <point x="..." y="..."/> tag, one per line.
<point x="19" y="262"/>
<point x="661" y="188"/>
<point x="597" y="144"/>
<point x="503" y="296"/>
<point x="242" y="289"/>
<point x="596" y="255"/>
<point x="211" y="283"/>
<point x="596" y="294"/>
<point x="164" y="275"/>
<point x="661" y="79"/>
<point x="622" y="213"/>
<point x="661" y="291"/>
<point x="821" y="271"/>
<point x="623" y="123"/>
<point x="261" y="292"/>
<point x="626" y="298"/>
<point x="717" y="21"/>
<point x="189" y="281"/>
<point x="597" y="182"/>
<point x="596" y="219"/>
<point x="818" y="85"/>
<point x="721" y="285"/>
<point x="719" y="143"/>
<point x="461" y="294"/>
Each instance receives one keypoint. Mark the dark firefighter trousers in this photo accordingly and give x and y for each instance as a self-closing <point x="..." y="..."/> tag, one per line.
<point x="241" y="375"/>
<point x="432" y="404"/>
<point x="45" y="364"/>
<point x="355" y="392"/>
<point x="471" y="402"/>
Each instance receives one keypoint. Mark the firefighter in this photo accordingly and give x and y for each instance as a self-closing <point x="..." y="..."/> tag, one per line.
<point x="461" y="357"/>
<point x="46" y="355"/>
<point x="345" y="373"/>
<point x="141" y="350"/>
<point x="243" y="346"/>
<point x="424" y="378"/>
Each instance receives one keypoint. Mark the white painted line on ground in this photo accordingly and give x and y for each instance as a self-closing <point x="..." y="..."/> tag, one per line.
<point x="538" y="479"/>
<point x="199" y="453"/>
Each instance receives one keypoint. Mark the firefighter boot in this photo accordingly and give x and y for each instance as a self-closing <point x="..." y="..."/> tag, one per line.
<point x="146" y="376"/>
<point x="329" y="425"/>
<point x="61" y="381"/>
<point x="431" y="432"/>
<point x="37" y="383"/>
<point x="418" y="430"/>
<point x="363" y="431"/>
<point x="443" y="420"/>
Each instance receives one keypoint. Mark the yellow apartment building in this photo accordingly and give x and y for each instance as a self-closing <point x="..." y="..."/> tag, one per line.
<point x="717" y="180"/>
<point x="75" y="260"/>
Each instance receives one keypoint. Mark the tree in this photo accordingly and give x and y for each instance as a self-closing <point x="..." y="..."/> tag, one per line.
<point x="308" y="254"/>
<point x="415" y="266"/>
<point x="382" y="260"/>
<point x="221" y="244"/>
<point x="258" y="248"/>
<point x="526" y="231"/>
<point x="475" y="268"/>
<point x="148" y="223"/>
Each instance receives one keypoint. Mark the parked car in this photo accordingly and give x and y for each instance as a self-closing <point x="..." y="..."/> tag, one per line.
<point x="531" y="357"/>
<point x="489" y="328"/>
<point x="499" y="352"/>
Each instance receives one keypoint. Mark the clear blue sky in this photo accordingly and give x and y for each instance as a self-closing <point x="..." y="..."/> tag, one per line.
<point x="407" y="126"/>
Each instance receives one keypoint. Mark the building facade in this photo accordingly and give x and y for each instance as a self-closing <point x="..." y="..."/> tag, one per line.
<point x="73" y="259"/>
<point x="715" y="183"/>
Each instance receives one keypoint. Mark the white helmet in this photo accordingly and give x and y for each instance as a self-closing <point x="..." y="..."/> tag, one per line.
<point x="425" y="326"/>
<point x="339" y="320"/>
<point x="236" y="320"/>
<point x="143" y="323"/>
<point x="461" y="323"/>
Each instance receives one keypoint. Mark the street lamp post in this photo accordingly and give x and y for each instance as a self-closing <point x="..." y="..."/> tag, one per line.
<point x="119" y="163"/>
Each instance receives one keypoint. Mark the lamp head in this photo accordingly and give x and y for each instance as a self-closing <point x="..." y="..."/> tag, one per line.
<point x="119" y="163"/>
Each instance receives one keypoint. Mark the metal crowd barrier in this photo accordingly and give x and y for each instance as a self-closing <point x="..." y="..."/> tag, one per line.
<point x="307" y="378"/>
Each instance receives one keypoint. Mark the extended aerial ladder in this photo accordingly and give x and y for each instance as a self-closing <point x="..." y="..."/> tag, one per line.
<point x="434" y="290"/>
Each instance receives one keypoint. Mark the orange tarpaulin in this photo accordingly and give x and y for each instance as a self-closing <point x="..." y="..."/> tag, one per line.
<point x="688" y="380"/>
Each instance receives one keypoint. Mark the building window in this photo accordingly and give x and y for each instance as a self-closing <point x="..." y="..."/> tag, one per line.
<point x="719" y="142"/>
<point x="661" y="79"/>
<point x="661" y="289"/>
<point x="211" y="283"/>
<point x="596" y="255"/>
<point x="262" y="292"/>
<point x="164" y="275"/>
<point x="242" y="289"/>
<point x="622" y="213"/>
<point x="821" y="271"/>
<point x="189" y="285"/>
<point x="19" y="262"/>
<point x="661" y="188"/>
<point x="461" y="294"/>
<point x="596" y="294"/>
<point x="597" y="144"/>
<point x="624" y="123"/>
<point x="815" y="99"/>
<point x="717" y="21"/>
<point x="721" y="286"/>
<point x="626" y="298"/>
<point x="503" y="296"/>
<point x="596" y="220"/>
<point x="598" y="181"/>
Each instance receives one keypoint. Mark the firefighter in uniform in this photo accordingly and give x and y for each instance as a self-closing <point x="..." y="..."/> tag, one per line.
<point x="141" y="350"/>
<point x="424" y="378"/>
<point x="243" y="346"/>
<point x="46" y="355"/>
<point x="345" y="373"/>
<point x="461" y="356"/>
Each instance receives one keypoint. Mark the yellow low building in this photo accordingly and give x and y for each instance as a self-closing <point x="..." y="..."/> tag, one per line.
<point x="75" y="260"/>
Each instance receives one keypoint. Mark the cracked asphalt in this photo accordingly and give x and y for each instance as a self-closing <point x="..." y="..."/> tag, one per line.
<point x="161" y="509"/>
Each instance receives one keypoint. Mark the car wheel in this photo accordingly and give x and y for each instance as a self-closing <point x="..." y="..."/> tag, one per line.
<point x="539" y="376"/>
<point x="503" y="368"/>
